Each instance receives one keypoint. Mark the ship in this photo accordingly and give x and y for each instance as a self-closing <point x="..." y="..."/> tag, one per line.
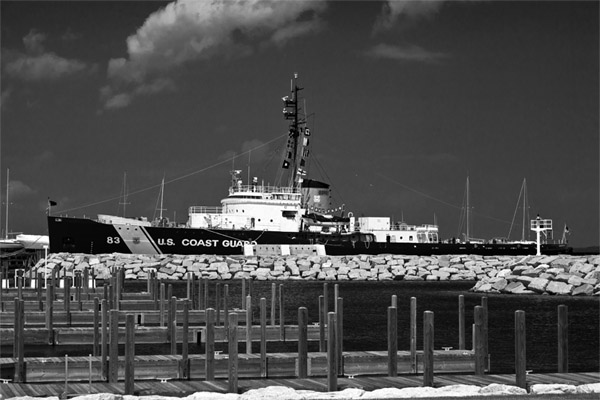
<point x="295" y="216"/>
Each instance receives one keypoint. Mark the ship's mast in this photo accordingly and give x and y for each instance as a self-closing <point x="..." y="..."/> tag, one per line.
<point x="296" y="152"/>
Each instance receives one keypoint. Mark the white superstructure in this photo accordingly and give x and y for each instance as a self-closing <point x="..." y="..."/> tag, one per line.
<point x="400" y="232"/>
<point x="255" y="207"/>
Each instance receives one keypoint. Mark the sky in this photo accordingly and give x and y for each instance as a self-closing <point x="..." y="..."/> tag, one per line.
<point x="406" y="100"/>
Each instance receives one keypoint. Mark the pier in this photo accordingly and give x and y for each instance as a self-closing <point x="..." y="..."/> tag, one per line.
<point x="71" y="314"/>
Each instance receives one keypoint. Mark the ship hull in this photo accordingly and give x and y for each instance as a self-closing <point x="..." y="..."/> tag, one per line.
<point x="78" y="235"/>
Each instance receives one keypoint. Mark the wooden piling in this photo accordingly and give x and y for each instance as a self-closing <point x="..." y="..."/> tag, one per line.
<point x="273" y="302"/>
<point x="232" y="364"/>
<point x="486" y="351"/>
<point x="428" y="335"/>
<point x="461" y="322"/>
<point x="325" y="302"/>
<point x="113" y="359"/>
<point x="189" y="292"/>
<point x="96" y="345"/>
<point x="50" y="310"/>
<point x="263" y="337"/>
<point x="205" y="295"/>
<point x="336" y="294"/>
<point x="172" y="336"/>
<point x="20" y="283"/>
<point x="392" y="340"/>
<point x="339" y="331"/>
<point x="248" y="309"/>
<point x="129" y="354"/>
<point x="218" y="303"/>
<point x="322" y="317"/>
<point x="520" y="350"/>
<point x="38" y="287"/>
<point x="19" y="329"/>
<point x="281" y="314"/>
<point x="65" y="394"/>
<point x="332" y="372"/>
<point x="226" y="309"/>
<point x="185" y="365"/>
<point x="413" y="334"/>
<point x="201" y="304"/>
<point x="162" y="305"/>
<point x="104" y="338"/>
<point x="209" y="367"/>
<point x="478" y="341"/>
<point x="67" y="298"/>
<point x="302" y="342"/>
<point x="563" y="339"/>
<point x="243" y="307"/>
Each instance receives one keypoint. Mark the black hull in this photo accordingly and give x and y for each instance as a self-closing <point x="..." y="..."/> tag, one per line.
<point x="77" y="235"/>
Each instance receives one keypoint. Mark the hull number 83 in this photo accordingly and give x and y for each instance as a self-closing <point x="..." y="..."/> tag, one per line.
<point x="113" y="240"/>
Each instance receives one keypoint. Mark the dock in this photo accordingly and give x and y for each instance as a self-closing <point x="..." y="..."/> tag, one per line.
<point x="109" y="319"/>
<point x="175" y="388"/>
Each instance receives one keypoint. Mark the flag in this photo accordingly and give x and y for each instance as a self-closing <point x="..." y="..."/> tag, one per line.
<point x="50" y="204"/>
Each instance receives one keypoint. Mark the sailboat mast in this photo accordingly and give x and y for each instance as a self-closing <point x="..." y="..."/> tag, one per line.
<point x="162" y="194"/>
<point x="7" y="187"/>
<point x="468" y="212"/>
<point x="524" y="206"/>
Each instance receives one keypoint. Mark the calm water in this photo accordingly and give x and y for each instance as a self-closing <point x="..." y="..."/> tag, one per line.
<point x="365" y="319"/>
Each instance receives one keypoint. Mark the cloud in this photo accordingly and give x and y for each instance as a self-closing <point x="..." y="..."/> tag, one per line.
<point x="191" y="30"/>
<point x="36" y="64"/>
<point x="393" y="10"/>
<point x="255" y="150"/>
<point x="410" y="53"/>
<point x="18" y="190"/>
<point x="6" y="94"/>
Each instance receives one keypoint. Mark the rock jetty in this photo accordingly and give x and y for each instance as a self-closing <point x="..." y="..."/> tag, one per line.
<point x="555" y="275"/>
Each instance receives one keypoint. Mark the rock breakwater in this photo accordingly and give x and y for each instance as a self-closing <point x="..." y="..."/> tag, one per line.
<point x="556" y="275"/>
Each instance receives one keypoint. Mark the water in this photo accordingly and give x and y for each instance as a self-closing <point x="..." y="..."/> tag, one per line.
<point x="365" y="320"/>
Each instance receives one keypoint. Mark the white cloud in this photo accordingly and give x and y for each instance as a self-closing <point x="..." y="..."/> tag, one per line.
<point x="18" y="190"/>
<point x="405" y="53"/>
<point x="6" y="94"/>
<point x="37" y="64"/>
<point x="46" y="66"/>
<point x="192" y="30"/>
<point x="393" y="10"/>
